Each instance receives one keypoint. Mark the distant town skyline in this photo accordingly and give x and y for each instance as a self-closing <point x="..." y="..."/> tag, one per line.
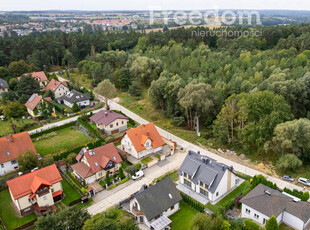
<point x="22" y="5"/>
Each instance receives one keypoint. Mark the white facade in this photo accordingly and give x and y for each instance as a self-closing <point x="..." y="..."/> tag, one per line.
<point x="61" y="91"/>
<point x="285" y="217"/>
<point x="8" y="166"/>
<point x="118" y="124"/>
<point x="229" y="181"/>
<point x="129" y="148"/>
<point x="80" y="103"/>
<point x="140" y="218"/>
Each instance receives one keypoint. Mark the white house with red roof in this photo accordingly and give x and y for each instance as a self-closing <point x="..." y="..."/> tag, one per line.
<point x="36" y="104"/>
<point x="36" y="191"/>
<point x="40" y="76"/>
<point x="11" y="147"/>
<point x="110" y="122"/>
<point x="142" y="140"/>
<point x="59" y="88"/>
<point x="94" y="164"/>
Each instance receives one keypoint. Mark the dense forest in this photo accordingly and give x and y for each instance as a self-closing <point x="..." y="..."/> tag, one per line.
<point x="252" y="92"/>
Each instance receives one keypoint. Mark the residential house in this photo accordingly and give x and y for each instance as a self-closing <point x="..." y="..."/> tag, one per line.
<point x="142" y="140"/>
<point x="110" y="122"/>
<point x="58" y="88"/>
<point x="40" y="76"/>
<point x="36" y="105"/>
<point x="94" y="164"/>
<point x="82" y="99"/>
<point x="152" y="206"/>
<point x="11" y="147"/>
<point x="206" y="177"/>
<point x="263" y="202"/>
<point x="37" y="191"/>
<point x="4" y="86"/>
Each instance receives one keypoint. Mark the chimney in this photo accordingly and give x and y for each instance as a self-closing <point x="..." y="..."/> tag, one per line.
<point x="106" y="113"/>
<point x="148" y="133"/>
<point x="11" y="139"/>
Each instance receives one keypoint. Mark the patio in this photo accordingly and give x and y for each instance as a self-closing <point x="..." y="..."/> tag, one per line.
<point x="200" y="198"/>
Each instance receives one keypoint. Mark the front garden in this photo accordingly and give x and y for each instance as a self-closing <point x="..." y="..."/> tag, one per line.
<point x="182" y="220"/>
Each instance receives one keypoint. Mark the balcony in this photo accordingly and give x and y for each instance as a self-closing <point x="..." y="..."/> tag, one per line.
<point x="136" y="211"/>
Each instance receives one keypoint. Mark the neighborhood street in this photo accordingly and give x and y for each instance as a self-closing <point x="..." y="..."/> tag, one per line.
<point x="106" y="199"/>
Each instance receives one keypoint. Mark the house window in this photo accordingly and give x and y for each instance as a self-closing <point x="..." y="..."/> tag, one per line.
<point x="203" y="192"/>
<point x="172" y="207"/>
<point x="44" y="197"/>
<point x="247" y="211"/>
<point x="116" y="123"/>
<point x="185" y="174"/>
<point x="100" y="174"/>
<point x="29" y="200"/>
<point x="13" y="162"/>
<point x="217" y="194"/>
<point x="186" y="182"/>
<point x="122" y="122"/>
<point x="147" y="144"/>
<point x="52" y="190"/>
<point x="256" y="216"/>
<point x="201" y="184"/>
<point x="111" y="126"/>
<point x="2" y="165"/>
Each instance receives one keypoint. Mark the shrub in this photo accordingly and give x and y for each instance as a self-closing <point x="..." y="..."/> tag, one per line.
<point x="123" y="181"/>
<point x="305" y="196"/>
<point x="121" y="173"/>
<point x="111" y="212"/>
<point x="107" y="178"/>
<point x="75" y="107"/>
<point x="131" y="169"/>
<point x="251" y="225"/>
<point x="102" y="183"/>
<point x="272" y="224"/>
<point x="289" y="162"/>
<point x="112" y="186"/>
<point x="138" y="165"/>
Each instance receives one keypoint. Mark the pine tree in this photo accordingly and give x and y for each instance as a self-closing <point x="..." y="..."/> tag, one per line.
<point x="107" y="179"/>
<point x="75" y="107"/>
<point x="272" y="224"/>
<point x="121" y="173"/>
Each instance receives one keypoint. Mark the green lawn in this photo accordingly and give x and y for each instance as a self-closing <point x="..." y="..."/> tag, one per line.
<point x="285" y="227"/>
<point x="70" y="193"/>
<point x="146" y="160"/>
<point x="8" y="215"/>
<point x="233" y="195"/>
<point x="6" y="129"/>
<point x="182" y="220"/>
<point x="66" y="138"/>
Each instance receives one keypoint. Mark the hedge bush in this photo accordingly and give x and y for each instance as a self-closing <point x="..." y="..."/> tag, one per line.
<point x="112" y="186"/>
<point x="102" y="183"/>
<point x="123" y="181"/>
<point x="260" y="179"/>
<point x="194" y="204"/>
<point x="303" y="196"/>
<point x="89" y="128"/>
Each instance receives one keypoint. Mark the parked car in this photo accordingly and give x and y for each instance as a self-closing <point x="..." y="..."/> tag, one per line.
<point x="288" y="178"/>
<point x="304" y="181"/>
<point x="138" y="175"/>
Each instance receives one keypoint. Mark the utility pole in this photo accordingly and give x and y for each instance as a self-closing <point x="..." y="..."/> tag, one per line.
<point x="197" y="126"/>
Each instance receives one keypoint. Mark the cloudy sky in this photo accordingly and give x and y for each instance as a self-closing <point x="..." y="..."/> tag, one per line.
<point x="8" y="5"/>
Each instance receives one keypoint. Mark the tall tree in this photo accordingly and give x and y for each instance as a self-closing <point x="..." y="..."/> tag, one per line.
<point x="107" y="90"/>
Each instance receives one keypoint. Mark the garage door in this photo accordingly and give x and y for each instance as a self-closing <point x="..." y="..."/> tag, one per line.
<point x="115" y="131"/>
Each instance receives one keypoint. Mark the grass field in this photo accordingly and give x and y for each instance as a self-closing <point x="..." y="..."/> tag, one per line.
<point x="8" y="214"/>
<point x="146" y="160"/>
<point x="182" y="220"/>
<point x="70" y="193"/>
<point x="6" y="129"/>
<point x="66" y="138"/>
<point x="234" y="194"/>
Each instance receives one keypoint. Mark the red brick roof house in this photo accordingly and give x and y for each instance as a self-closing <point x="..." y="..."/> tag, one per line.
<point x="36" y="191"/>
<point x="93" y="164"/>
<point x="11" y="147"/>
<point x="40" y="76"/>
<point x="59" y="88"/>
<point x="142" y="140"/>
<point x="110" y="122"/>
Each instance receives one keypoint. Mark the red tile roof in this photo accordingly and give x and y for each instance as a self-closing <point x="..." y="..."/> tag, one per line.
<point x="106" y="117"/>
<point x="53" y="85"/>
<point x="26" y="184"/>
<point x="33" y="101"/>
<point x="14" y="145"/>
<point x="39" y="75"/>
<point x="97" y="159"/>
<point x="140" y="134"/>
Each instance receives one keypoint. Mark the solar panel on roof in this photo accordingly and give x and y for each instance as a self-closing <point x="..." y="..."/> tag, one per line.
<point x="32" y="98"/>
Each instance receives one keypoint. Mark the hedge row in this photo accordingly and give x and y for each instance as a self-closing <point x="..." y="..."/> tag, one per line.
<point x="89" y="128"/>
<point x="35" y="135"/>
<point x="260" y="179"/>
<point x="194" y="204"/>
<point x="76" y="150"/>
<point x="303" y="196"/>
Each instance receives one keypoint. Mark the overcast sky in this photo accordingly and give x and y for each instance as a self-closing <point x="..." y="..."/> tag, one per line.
<point x="9" y="5"/>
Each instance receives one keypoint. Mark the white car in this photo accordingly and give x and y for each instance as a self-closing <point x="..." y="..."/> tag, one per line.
<point x="138" y="175"/>
<point x="304" y="181"/>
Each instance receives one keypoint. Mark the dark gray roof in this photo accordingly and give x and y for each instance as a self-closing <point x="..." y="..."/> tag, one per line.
<point x="3" y="84"/>
<point x="75" y="96"/>
<point x="204" y="169"/>
<point x="158" y="198"/>
<point x="271" y="202"/>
